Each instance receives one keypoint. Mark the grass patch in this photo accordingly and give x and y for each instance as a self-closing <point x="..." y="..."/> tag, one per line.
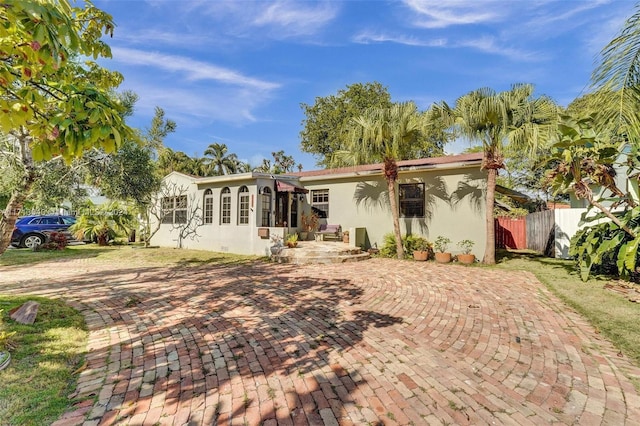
<point x="135" y="255"/>
<point x="35" y="385"/>
<point x="610" y="313"/>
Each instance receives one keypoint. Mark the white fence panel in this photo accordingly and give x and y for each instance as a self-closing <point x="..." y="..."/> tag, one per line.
<point x="566" y="226"/>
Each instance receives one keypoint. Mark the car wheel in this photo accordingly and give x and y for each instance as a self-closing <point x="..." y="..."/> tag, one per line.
<point x="32" y="241"/>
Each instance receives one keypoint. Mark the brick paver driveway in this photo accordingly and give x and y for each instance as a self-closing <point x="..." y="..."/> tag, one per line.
<point x="376" y="342"/>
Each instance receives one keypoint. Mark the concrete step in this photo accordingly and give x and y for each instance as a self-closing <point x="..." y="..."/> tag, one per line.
<point x="320" y="252"/>
<point x="305" y="260"/>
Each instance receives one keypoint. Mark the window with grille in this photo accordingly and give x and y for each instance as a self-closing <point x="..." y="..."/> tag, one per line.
<point x="174" y="209"/>
<point x="243" y="206"/>
<point x="320" y="202"/>
<point x="208" y="206"/>
<point x="225" y="206"/>
<point x="411" y="197"/>
<point x="266" y="206"/>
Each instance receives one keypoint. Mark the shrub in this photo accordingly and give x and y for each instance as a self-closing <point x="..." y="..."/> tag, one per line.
<point x="55" y="241"/>
<point x="410" y="243"/>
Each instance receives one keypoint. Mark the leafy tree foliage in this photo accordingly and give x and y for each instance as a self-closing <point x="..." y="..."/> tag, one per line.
<point x="327" y="119"/>
<point x="51" y="103"/>
<point x="282" y="163"/>
<point x="586" y="159"/>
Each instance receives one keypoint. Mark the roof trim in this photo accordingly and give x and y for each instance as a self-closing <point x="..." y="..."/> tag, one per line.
<point x="445" y="162"/>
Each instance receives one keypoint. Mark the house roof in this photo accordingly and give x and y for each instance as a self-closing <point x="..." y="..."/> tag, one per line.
<point x="448" y="161"/>
<point x="513" y="194"/>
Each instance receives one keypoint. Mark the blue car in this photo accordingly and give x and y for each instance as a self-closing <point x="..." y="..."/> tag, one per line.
<point x="31" y="231"/>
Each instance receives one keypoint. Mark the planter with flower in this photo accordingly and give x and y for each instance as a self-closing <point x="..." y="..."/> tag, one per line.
<point x="466" y="256"/>
<point x="422" y="249"/>
<point x="292" y="240"/>
<point x="441" y="245"/>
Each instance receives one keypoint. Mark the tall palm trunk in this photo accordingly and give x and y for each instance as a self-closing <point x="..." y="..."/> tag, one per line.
<point x="490" y="247"/>
<point x="391" y="175"/>
<point x="391" y="185"/>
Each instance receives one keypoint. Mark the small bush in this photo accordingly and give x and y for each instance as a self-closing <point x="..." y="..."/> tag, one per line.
<point x="55" y="241"/>
<point x="410" y="243"/>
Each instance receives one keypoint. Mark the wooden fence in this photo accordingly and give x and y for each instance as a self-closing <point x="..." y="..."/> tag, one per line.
<point x="540" y="229"/>
<point x="511" y="233"/>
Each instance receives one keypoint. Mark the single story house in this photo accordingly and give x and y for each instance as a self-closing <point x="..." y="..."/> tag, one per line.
<point x="245" y="213"/>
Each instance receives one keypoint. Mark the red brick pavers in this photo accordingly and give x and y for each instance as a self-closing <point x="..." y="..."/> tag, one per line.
<point x="375" y="342"/>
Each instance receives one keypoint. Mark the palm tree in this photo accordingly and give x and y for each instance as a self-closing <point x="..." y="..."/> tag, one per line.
<point x="617" y="81"/>
<point x="384" y="135"/>
<point x="103" y="223"/>
<point x="219" y="162"/>
<point x="507" y="122"/>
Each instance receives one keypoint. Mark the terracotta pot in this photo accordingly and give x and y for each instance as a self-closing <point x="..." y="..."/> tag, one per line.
<point x="420" y="255"/>
<point x="467" y="259"/>
<point x="443" y="257"/>
<point x="292" y="245"/>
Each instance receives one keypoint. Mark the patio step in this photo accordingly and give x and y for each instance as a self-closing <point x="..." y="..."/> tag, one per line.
<point x="309" y="252"/>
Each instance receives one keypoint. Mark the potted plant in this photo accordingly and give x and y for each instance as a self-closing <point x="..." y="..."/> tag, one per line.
<point x="292" y="240"/>
<point x="309" y="225"/>
<point x="466" y="256"/>
<point x="421" y="249"/>
<point x="345" y="237"/>
<point x="441" y="244"/>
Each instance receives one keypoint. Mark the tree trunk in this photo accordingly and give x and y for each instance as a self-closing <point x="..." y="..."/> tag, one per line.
<point x="490" y="246"/>
<point x="391" y="185"/>
<point x="13" y="209"/>
<point x="610" y="215"/>
<point x="20" y="193"/>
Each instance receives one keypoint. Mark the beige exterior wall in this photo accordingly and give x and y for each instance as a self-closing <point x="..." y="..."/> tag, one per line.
<point x="454" y="205"/>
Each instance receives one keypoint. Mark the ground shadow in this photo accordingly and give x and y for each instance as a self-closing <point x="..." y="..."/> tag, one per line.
<point x="221" y="325"/>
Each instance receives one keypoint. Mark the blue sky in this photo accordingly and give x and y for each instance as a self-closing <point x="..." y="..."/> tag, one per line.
<point x="236" y="72"/>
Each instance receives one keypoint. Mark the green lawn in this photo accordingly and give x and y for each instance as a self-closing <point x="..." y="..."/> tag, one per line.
<point x="34" y="388"/>
<point x="135" y="254"/>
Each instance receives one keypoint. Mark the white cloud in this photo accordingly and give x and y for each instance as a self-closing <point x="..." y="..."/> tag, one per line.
<point x="484" y="44"/>
<point x="163" y="38"/>
<point x="296" y="18"/>
<point x="193" y="70"/>
<point x="191" y="107"/>
<point x="276" y="19"/>
<point x="366" y="37"/>
<point x="442" y="14"/>
<point x="489" y="45"/>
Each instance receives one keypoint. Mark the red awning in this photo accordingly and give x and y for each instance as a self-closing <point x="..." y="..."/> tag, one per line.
<point x="287" y="187"/>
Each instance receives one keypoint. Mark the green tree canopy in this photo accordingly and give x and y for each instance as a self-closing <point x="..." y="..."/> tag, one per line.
<point x="53" y="104"/>
<point x="326" y="120"/>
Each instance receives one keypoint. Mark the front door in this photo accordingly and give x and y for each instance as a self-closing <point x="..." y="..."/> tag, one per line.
<point x="294" y="211"/>
<point x="282" y="208"/>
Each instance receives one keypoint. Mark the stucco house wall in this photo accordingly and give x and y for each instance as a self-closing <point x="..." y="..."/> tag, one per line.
<point x="453" y="188"/>
<point x="454" y="205"/>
